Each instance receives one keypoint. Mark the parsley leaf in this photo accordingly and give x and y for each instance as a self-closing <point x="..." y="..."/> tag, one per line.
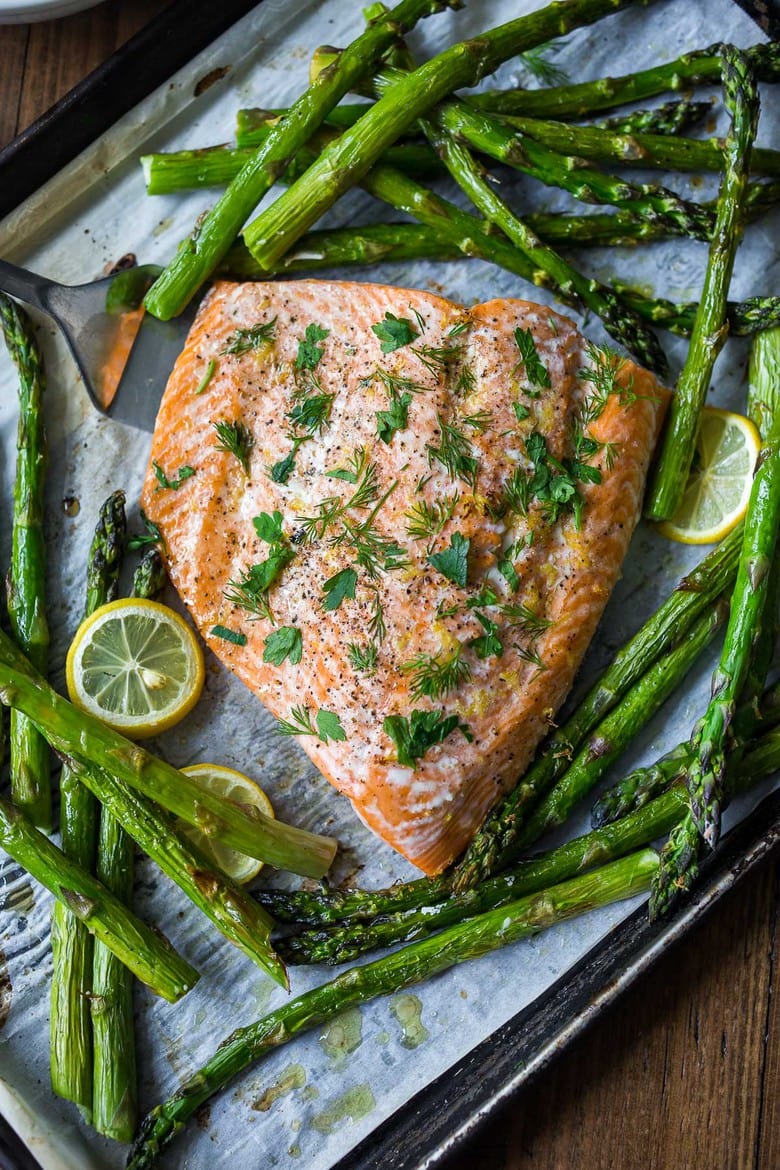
<point x="329" y="727"/>
<point x="183" y="474"/>
<point x="452" y="562"/>
<point x="509" y="573"/>
<point x="337" y="587"/>
<point x="269" y="528"/>
<point x="282" y="469"/>
<point x="234" y="636"/>
<point x="535" y="369"/>
<point x="488" y="645"/>
<point x="521" y="411"/>
<point x="423" y="729"/>
<point x="286" y="642"/>
<point x="394" y="419"/>
<point x="394" y="332"/>
<point x="309" y="353"/>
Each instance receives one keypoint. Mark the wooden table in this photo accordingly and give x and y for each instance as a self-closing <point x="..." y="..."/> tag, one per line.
<point x="684" y="1073"/>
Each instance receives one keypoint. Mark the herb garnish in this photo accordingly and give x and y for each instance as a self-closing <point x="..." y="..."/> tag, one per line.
<point x="435" y="676"/>
<point x="311" y="413"/>
<point x="309" y="352"/>
<point x="338" y="587"/>
<point x="250" y="592"/>
<point x="535" y="369"/>
<point x="207" y="376"/>
<point x="150" y="535"/>
<point x="286" y="642"/>
<point x="425" y="521"/>
<point x="182" y="475"/>
<point x="394" y="332"/>
<point x="452" y="562"/>
<point x="455" y="453"/>
<point x="522" y="412"/>
<point x="396" y="418"/>
<point x="300" y="723"/>
<point x="281" y="471"/>
<point x="234" y="636"/>
<point x="422" y="730"/>
<point x="256" y="336"/>
<point x="362" y="657"/>
<point x="236" y="439"/>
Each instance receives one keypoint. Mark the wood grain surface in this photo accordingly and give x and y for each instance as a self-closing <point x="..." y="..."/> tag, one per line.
<point x="684" y="1072"/>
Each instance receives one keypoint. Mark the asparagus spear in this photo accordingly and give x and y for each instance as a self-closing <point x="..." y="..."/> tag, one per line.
<point x="150" y="577"/>
<point x="491" y="136"/>
<point x="70" y="1054"/>
<point x="620" y="322"/>
<point x="146" y="952"/>
<point x="111" y="1003"/>
<point x="587" y="97"/>
<point x="75" y="733"/>
<point x="344" y="162"/>
<point x="709" y="329"/>
<point x="619" y="727"/>
<point x="197" y="258"/>
<point x="410" y="965"/>
<point x="747" y="649"/>
<point x="751" y="590"/>
<point x="26" y="584"/>
<point x="670" y="118"/>
<point x="232" y="910"/>
<point x="639" y="148"/>
<point x="496" y="842"/>
<point x="643" y="784"/>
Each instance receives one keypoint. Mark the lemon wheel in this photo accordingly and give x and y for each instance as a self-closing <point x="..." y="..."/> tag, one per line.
<point x="718" y="488"/>
<point x="236" y="786"/>
<point x="137" y="665"/>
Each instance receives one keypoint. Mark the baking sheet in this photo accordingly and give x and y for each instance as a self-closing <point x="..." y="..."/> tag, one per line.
<point x="311" y="1103"/>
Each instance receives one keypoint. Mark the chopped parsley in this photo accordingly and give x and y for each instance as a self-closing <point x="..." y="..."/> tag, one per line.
<point x="234" y="636"/>
<point x="435" y="676"/>
<point x="362" y="658"/>
<point x="251" y="591"/>
<point x="255" y="337"/>
<point x="286" y="642"/>
<point x="328" y="725"/>
<point x="309" y="352"/>
<point x="509" y="573"/>
<point x="535" y="370"/>
<point x="182" y="475"/>
<point x="395" y="418"/>
<point x="413" y="736"/>
<point x="394" y="332"/>
<point x="236" y="439"/>
<point x="338" y="587"/>
<point x="488" y="644"/>
<point x="522" y="412"/>
<point x="452" y="562"/>
<point x="281" y="471"/>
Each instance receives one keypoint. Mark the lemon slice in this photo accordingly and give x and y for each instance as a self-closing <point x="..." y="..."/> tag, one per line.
<point x="136" y="665"/>
<point x="718" y="488"/>
<point x="236" y="786"/>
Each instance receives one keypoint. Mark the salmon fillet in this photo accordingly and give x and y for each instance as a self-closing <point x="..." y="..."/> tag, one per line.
<point x="400" y="524"/>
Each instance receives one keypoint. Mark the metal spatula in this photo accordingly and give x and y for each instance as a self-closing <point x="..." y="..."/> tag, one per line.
<point x="124" y="356"/>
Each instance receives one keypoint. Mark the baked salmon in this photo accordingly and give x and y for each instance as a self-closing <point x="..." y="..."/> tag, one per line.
<point x="398" y="521"/>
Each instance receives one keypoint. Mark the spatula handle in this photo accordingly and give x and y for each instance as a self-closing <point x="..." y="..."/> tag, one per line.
<point x="25" y="286"/>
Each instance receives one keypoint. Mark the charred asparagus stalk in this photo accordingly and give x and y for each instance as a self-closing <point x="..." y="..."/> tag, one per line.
<point x="74" y="733"/>
<point x="410" y="965"/>
<point x="71" y="1046"/>
<point x="197" y="259"/>
<point x="146" y="953"/>
<point x="710" y="328"/>
<point x="344" y="162"/>
<point x="25" y="585"/>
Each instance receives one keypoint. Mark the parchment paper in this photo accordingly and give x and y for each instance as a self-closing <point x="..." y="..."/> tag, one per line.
<point x="310" y="1103"/>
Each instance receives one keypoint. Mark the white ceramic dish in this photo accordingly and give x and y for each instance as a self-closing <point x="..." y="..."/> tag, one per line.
<point x="26" y="11"/>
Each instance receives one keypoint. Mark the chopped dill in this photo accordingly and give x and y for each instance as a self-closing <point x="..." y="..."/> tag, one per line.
<point x="433" y="676"/>
<point x="236" y="439"/>
<point x="362" y="658"/>
<point x="243" y="340"/>
<point x="455" y="453"/>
